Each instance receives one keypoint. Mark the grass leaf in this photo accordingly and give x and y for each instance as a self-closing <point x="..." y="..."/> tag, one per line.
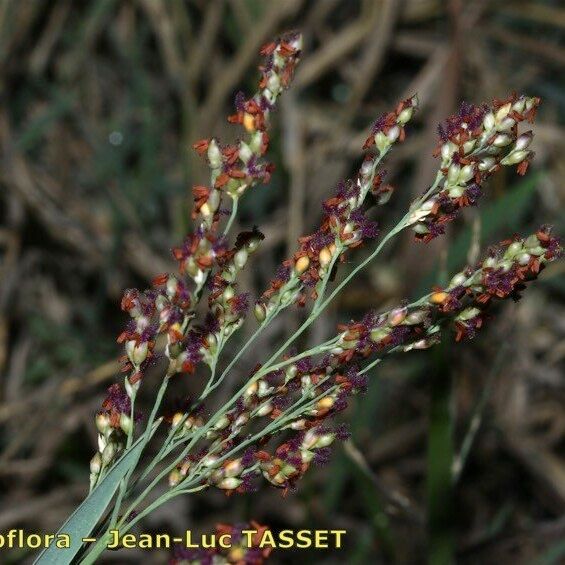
<point x="83" y="520"/>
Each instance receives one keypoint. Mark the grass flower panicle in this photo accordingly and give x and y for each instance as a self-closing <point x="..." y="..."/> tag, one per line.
<point x="281" y="420"/>
<point x="474" y="144"/>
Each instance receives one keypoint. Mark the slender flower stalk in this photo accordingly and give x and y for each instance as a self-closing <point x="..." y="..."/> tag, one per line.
<point x="281" y="418"/>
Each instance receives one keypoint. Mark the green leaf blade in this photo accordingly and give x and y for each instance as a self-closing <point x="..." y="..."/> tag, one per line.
<point x="83" y="520"/>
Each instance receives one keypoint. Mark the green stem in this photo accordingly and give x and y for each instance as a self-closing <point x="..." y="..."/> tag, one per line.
<point x="440" y="458"/>
<point x="97" y="549"/>
<point x="145" y="440"/>
<point x="477" y="416"/>
<point x="233" y="214"/>
<point x="210" y="384"/>
<point x="322" y="291"/>
<point x="124" y="481"/>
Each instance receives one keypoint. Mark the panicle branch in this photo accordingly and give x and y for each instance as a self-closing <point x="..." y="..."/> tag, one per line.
<point x="344" y="225"/>
<point x="168" y="309"/>
<point x="474" y="144"/>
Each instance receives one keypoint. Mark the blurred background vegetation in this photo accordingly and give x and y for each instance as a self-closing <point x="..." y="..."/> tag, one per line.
<point x="456" y="453"/>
